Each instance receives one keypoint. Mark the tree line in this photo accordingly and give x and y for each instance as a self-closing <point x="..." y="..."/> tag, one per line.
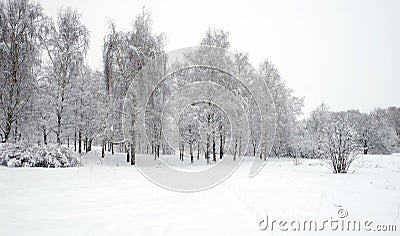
<point x="49" y="95"/>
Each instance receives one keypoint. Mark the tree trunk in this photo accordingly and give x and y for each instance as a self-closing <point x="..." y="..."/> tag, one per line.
<point x="191" y="152"/>
<point x="128" y="159"/>
<point x="133" y="157"/>
<point x="183" y="151"/>
<point x="221" y="146"/>
<point x="213" y="148"/>
<point x="75" y="141"/>
<point x="156" y="147"/>
<point x="365" y="147"/>
<point x="44" y="136"/>
<point x="198" y="150"/>
<point x="240" y="146"/>
<point x="265" y="153"/>
<point x="89" y="148"/>
<point x="102" y="150"/>
<point x="208" y="149"/>
<point x="7" y="131"/>
<point x="16" y="138"/>
<point x="79" y="141"/>
<point x="235" y="150"/>
<point x="85" y="144"/>
<point x="58" y="132"/>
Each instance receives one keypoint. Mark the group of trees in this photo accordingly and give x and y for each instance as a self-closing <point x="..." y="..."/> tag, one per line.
<point x="124" y="55"/>
<point x="341" y="136"/>
<point x="49" y="95"/>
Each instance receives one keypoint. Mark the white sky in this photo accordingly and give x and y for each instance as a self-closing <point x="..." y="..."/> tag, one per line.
<point x="343" y="52"/>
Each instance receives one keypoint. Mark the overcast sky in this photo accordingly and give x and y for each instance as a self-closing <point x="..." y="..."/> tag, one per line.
<point x="343" y="52"/>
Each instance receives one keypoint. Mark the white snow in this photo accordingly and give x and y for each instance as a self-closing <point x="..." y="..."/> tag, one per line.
<point x="113" y="198"/>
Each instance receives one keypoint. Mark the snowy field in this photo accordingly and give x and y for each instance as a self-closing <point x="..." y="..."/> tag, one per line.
<point x="111" y="198"/>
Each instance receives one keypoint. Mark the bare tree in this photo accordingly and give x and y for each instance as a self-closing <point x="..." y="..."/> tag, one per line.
<point x="216" y="37"/>
<point x="124" y="55"/>
<point x="287" y="108"/>
<point x="20" y="29"/>
<point x="66" y="45"/>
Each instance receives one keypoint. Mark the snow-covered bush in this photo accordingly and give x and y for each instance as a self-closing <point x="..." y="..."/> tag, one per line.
<point x="20" y="155"/>
<point x="341" y="146"/>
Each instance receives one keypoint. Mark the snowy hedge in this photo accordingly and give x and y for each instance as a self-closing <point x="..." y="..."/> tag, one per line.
<point x="20" y="155"/>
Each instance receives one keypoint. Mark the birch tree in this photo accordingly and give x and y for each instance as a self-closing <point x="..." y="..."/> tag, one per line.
<point x="287" y="108"/>
<point x="21" y="23"/>
<point x="66" y="44"/>
<point x="124" y="55"/>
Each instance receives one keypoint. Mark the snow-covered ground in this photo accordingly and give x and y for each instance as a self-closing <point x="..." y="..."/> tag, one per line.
<point x="113" y="198"/>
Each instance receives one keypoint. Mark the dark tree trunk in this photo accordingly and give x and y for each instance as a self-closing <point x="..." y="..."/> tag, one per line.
<point x="208" y="149"/>
<point x="240" y="146"/>
<point x="265" y="153"/>
<point x="191" y="152"/>
<point x="89" y="148"/>
<point x="365" y="147"/>
<point x="103" y="150"/>
<point x="44" y="136"/>
<point x="198" y="150"/>
<point x="213" y="148"/>
<point x="133" y="157"/>
<point x="7" y="131"/>
<point x="128" y="159"/>
<point x="221" y="146"/>
<point x="58" y="132"/>
<point x="235" y="150"/>
<point x="85" y="144"/>
<point x="156" y="148"/>
<point x="79" y="141"/>
<point x="75" y="140"/>
<point x="183" y="151"/>
<point x="16" y="138"/>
